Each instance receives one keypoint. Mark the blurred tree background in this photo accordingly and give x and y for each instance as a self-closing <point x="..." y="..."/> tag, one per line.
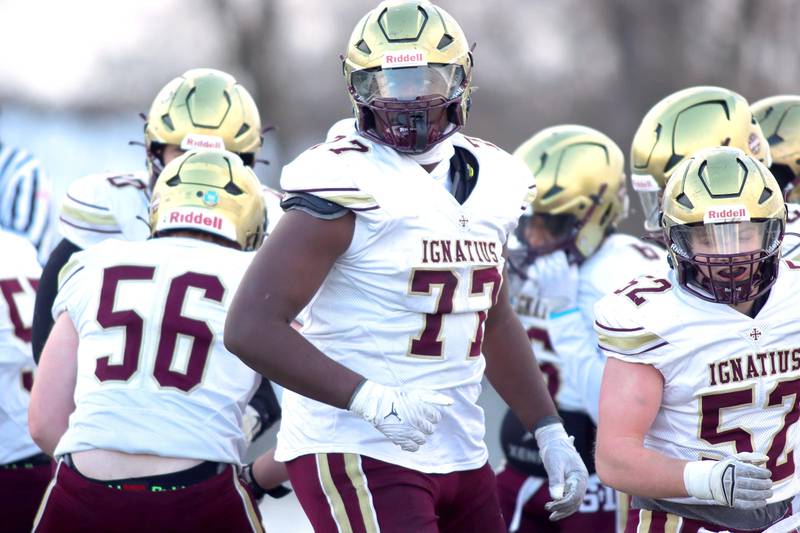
<point x="74" y="75"/>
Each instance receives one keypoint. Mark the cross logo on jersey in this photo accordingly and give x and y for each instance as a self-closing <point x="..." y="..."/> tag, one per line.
<point x="463" y="221"/>
<point x="755" y="334"/>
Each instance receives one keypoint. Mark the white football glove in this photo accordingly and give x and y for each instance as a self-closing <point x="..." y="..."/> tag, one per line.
<point x="405" y="416"/>
<point x="557" y="281"/>
<point x="740" y="481"/>
<point x="566" y="474"/>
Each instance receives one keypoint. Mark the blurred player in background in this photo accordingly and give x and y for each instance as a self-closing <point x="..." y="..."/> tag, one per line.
<point x="779" y="117"/>
<point x="153" y="439"/>
<point x="394" y="239"/>
<point x="203" y="108"/>
<point x="570" y="256"/>
<point x="700" y="394"/>
<point x="25" y="198"/>
<point x="679" y="125"/>
<point x="24" y="469"/>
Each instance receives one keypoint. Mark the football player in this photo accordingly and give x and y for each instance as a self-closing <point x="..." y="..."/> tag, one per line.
<point x="699" y="398"/>
<point x="24" y="469"/>
<point x="203" y="108"/>
<point x="682" y="123"/>
<point x="153" y="439"/>
<point x="25" y="198"/>
<point x="779" y="117"/>
<point x="571" y="232"/>
<point x="394" y="239"/>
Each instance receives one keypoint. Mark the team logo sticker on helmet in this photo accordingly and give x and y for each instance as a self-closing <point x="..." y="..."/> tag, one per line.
<point x="211" y="198"/>
<point x="195" y="141"/>
<point x="190" y="218"/>
<point x="726" y="213"/>
<point x="404" y="58"/>
<point x="754" y="143"/>
<point x="644" y="183"/>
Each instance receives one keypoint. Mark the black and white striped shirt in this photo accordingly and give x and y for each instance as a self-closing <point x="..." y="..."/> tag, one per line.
<point x="25" y="198"/>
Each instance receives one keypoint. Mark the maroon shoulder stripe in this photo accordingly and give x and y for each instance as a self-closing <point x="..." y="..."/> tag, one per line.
<point x="609" y="328"/>
<point x="68" y="223"/>
<point x="332" y="189"/>
<point x="634" y="353"/>
<point x="87" y="204"/>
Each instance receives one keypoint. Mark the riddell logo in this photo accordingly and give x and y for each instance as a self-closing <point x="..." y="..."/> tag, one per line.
<point x="194" y="141"/>
<point x="196" y="218"/>
<point x="733" y="213"/>
<point x="411" y="58"/>
<point x="644" y="183"/>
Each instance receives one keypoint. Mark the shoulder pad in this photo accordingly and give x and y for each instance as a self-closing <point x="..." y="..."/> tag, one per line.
<point x="313" y="205"/>
<point x="327" y="171"/>
<point x="617" y="323"/>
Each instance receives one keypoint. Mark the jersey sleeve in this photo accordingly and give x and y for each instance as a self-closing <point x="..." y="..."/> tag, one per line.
<point x="326" y="171"/>
<point x="621" y="336"/>
<point x="87" y="214"/>
<point x="73" y="281"/>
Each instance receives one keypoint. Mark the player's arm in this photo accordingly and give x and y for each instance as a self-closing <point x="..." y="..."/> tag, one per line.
<point x="630" y="397"/>
<point x="54" y="387"/>
<point x="46" y="295"/>
<point x="512" y="370"/>
<point x="281" y="280"/>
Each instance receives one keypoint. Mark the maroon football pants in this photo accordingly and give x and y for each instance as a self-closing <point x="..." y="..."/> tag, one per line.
<point x="596" y="514"/>
<point x="75" y="504"/>
<point x="340" y="491"/>
<point x="21" y="491"/>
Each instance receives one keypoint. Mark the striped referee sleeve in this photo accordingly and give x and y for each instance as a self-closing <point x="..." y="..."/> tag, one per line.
<point x="25" y="197"/>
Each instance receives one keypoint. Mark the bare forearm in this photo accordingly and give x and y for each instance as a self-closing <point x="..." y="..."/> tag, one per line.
<point x="288" y="359"/>
<point x="512" y="370"/>
<point x="628" y="467"/>
<point x="269" y="473"/>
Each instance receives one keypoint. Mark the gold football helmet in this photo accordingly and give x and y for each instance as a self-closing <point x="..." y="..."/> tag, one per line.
<point x="408" y="69"/>
<point x="681" y="124"/>
<point x="580" y="175"/>
<point x="213" y="192"/>
<point x="723" y="219"/>
<point x="779" y="117"/>
<point x="203" y="108"/>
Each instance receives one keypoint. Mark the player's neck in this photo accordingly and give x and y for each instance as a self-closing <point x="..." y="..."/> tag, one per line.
<point x="430" y="166"/>
<point x="746" y="308"/>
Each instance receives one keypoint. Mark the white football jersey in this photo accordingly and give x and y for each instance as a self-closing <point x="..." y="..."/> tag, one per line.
<point x="405" y="304"/>
<point x="568" y="357"/>
<point x="103" y="206"/>
<point x="731" y="382"/>
<point x="19" y="277"/>
<point x="153" y="374"/>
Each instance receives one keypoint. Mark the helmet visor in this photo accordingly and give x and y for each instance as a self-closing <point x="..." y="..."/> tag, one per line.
<point x="729" y="239"/>
<point x="409" y="83"/>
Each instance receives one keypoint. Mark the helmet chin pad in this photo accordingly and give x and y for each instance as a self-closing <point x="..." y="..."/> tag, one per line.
<point x="413" y="126"/>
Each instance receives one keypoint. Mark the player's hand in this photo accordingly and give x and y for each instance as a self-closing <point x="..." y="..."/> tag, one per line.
<point x="247" y="478"/>
<point x="557" y="280"/>
<point x="566" y="474"/>
<point x="740" y="481"/>
<point x="405" y="416"/>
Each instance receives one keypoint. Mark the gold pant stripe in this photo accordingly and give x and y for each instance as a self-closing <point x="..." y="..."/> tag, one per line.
<point x="252" y="516"/>
<point x="332" y="494"/>
<point x="46" y="497"/>
<point x="645" y="517"/>
<point x="352" y="465"/>
<point x="623" y="504"/>
<point x="674" y="524"/>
